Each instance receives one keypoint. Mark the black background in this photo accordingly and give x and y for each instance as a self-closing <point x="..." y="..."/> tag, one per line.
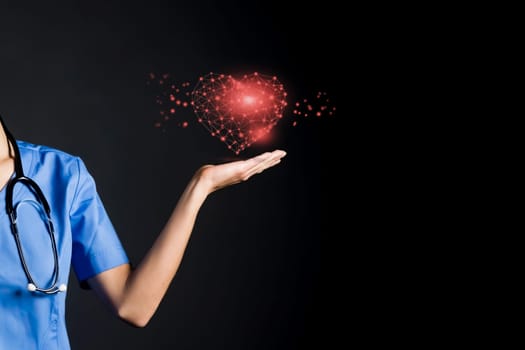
<point x="255" y="272"/>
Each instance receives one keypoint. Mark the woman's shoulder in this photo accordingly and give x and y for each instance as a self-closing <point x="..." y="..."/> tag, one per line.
<point x="44" y="153"/>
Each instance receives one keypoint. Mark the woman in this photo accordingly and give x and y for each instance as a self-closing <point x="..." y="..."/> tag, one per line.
<point x="48" y="204"/>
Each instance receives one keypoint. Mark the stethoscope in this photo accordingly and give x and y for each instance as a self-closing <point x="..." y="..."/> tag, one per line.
<point x="40" y="203"/>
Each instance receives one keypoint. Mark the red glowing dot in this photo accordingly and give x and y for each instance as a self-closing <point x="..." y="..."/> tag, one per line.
<point x="172" y="98"/>
<point x="172" y="110"/>
<point x="223" y="138"/>
<point x="294" y="123"/>
<point x="177" y="102"/>
<point x="157" y="125"/>
<point x="184" y="124"/>
<point x="318" y="114"/>
<point x="309" y="107"/>
<point x="297" y="104"/>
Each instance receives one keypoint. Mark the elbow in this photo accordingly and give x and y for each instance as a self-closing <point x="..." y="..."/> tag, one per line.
<point x="134" y="317"/>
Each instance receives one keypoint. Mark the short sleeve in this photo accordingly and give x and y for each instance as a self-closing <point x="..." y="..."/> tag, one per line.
<point x="96" y="246"/>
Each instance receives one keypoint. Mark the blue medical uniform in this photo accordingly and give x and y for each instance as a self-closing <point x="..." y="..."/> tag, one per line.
<point x="86" y="241"/>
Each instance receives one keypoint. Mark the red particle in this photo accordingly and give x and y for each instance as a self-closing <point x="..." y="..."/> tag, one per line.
<point x="318" y="114"/>
<point x="184" y="124"/>
<point x="309" y="107"/>
<point x="223" y="138"/>
<point x="177" y="102"/>
<point x="157" y="125"/>
<point x="151" y="76"/>
<point x="297" y="104"/>
<point x="172" y="98"/>
<point x="165" y="76"/>
<point x="172" y="111"/>
<point x="294" y="123"/>
<point x="161" y="82"/>
<point x="294" y="111"/>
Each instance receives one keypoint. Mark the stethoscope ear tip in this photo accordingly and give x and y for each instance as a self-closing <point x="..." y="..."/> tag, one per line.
<point x="31" y="287"/>
<point x="62" y="288"/>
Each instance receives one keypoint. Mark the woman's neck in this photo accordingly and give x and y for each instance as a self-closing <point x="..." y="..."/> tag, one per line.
<point x="4" y="145"/>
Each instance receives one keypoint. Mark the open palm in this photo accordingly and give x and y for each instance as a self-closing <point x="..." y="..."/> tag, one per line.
<point x="223" y="175"/>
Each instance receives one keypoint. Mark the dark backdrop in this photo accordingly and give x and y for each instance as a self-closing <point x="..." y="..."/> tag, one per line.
<point x="254" y="274"/>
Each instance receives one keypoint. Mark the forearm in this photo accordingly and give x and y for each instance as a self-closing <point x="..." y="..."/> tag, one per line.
<point x="147" y="284"/>
<point x="135" y="295"/>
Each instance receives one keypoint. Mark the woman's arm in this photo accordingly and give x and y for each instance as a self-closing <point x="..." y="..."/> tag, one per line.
<point x="134" y="295"/>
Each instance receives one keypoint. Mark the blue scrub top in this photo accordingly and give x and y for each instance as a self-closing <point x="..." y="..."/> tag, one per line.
<point x="86" y="240"/>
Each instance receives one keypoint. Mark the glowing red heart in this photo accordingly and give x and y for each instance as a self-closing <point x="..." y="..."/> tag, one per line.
<point x="238" y="111"/>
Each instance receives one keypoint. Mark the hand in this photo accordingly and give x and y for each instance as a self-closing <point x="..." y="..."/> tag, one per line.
<point x="219" y="176"/>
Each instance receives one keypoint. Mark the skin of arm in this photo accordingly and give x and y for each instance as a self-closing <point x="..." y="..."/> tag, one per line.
<point x="134" y="295"/>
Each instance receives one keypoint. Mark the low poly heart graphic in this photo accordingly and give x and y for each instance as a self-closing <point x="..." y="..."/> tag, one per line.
<point x="238" y="111"/>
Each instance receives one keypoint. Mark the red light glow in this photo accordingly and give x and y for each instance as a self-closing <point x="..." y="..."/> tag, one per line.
<point x="238" y="111"/>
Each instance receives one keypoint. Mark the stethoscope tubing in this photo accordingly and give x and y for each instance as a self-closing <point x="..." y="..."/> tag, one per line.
<point x="11" y="209"/>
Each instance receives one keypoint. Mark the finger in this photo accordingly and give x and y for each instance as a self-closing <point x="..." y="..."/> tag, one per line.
<point x="260" y="170"/>
<point x="264" y="164"/>
<point x="256" y="161"/>
<point x="272" y="161"/>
